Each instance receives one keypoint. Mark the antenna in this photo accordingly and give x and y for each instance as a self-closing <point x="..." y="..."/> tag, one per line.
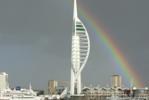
<point x="75" y="15"/>
<point x="30" y="86"/>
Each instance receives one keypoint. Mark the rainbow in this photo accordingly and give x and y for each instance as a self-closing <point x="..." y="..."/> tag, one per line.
<point x="117" y="56"/>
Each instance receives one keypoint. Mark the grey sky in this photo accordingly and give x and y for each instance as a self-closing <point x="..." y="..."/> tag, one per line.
<point x="35" y="39"/>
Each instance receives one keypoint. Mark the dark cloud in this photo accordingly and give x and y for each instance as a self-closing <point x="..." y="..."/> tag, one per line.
<point x="35" y="39"/>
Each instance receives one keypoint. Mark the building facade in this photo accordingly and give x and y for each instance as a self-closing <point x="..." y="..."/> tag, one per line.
<point x="52" y="86"/>
<point x="116" y="81"/>
<point x="3" y="81"/>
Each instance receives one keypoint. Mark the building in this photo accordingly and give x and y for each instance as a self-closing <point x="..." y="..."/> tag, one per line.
<point x="80" y="52"/>
<point x="116" y="81"/>
<point x="52" y="85"/>
<point x="3" y="81"/>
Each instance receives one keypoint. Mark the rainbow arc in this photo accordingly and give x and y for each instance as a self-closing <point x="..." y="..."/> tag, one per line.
<point x="114" y="52"/>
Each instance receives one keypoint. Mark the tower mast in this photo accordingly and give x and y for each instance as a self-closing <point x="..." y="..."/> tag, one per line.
<point x="75" y="15"/>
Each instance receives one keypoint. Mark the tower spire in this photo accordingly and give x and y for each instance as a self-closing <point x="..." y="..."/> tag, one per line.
<point x="75" y="15"/>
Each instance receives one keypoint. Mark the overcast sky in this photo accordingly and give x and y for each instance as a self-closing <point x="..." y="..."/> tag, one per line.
<point x="35" y="39"/>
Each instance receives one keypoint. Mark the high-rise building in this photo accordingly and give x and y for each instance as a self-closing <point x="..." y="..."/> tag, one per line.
<point x="116" y="81"/>
<point x="80" y="52"/>
<point x="3" y="81"/>
<point x="52" y="85"/>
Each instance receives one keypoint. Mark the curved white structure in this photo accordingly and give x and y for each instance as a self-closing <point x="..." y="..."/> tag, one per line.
<point x="80" y="52"/>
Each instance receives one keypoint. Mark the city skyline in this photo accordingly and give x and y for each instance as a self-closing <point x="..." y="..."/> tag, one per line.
<point x="32" y="33"/>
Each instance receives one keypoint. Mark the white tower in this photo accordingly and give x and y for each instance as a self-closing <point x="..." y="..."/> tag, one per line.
<point x="80" y="52"/>
<point x="3" y="81"/>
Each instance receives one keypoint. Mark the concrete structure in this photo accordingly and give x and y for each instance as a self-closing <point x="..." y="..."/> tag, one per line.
<point x="116" y="81"/>
<point x="52" y="85"/>
<point x="80" y="52"/>
<point x="3" y="81"/>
